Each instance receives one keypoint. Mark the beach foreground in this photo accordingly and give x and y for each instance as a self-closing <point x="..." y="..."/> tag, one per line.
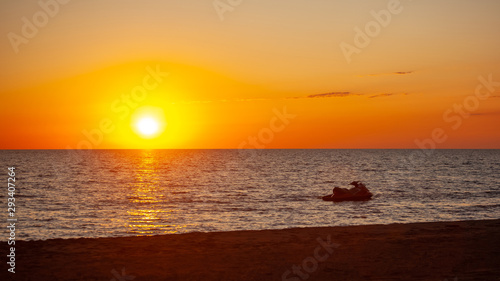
<point x="468" y="250"/>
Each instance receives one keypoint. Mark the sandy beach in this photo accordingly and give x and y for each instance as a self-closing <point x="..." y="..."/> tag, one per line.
<point x="468" y="250"/>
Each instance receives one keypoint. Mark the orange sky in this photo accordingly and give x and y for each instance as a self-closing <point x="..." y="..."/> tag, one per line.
<point x="265" y="74"/>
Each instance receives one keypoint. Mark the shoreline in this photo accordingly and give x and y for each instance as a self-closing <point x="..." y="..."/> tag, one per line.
<point x="253" y="230"/>
<point x="466" y="250"/>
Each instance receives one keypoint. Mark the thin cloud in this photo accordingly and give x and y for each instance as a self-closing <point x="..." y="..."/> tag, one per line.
<point x="391" y="73"/>
<point x="332" y="95"/>
<point x="313" y="96"/>
<point x="387" y="95"/>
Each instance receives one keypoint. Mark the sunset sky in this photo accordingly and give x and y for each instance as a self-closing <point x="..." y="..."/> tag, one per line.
<point x="264" y="74"/>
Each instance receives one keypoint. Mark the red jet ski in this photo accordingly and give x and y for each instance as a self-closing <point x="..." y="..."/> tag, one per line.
<point x="358" y="193"/>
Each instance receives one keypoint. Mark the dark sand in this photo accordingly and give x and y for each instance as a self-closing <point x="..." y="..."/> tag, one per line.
<point x="423" y="251"/>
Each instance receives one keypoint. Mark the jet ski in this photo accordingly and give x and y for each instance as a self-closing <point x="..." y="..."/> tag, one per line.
<point x="348" y="197"/>
<point x="358" y="193"/>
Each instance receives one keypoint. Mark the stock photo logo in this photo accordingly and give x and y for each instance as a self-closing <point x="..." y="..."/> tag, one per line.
<point x="372" y="29"/>
<point x="31" y="26"/>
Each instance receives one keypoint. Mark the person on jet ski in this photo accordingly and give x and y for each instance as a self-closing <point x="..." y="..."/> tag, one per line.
<point x="359" y="188"/>
<point x="357" y="193"/>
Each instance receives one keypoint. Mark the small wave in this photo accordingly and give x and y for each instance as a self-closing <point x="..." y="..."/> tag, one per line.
<point x="24" y="196"/>
<point x="493" y="192"/>
<point x="483" y="206"/>
<point x="246" y="209"/>
<point x="180" y="192"/>
<point x="44" y="176"/>
<point x="300" y="199"/>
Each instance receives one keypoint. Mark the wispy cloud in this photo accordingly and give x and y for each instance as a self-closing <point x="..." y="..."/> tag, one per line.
<point x="389" y="73"/>
<point x="312" y="96"/>
<point x="387" y="95"/>
<point x="332" y="95"/>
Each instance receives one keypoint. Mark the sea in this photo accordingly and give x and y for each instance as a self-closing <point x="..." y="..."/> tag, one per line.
<point x="116" y="193"/>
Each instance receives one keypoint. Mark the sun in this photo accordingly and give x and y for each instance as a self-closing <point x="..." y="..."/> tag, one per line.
<point x="147" y="126"/>
<point x="148" y="122"/>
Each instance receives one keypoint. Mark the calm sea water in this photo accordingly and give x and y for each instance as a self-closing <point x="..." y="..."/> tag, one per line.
<point x="109" y="193"/>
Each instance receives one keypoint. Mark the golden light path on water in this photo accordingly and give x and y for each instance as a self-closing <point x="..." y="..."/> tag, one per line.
<point x="149" y="216"/>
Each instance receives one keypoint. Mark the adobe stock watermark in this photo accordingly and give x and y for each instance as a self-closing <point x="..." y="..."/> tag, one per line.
<point x="121" y="277"/>
<point x="248" y="148"/>
<point x="12" y="218"/>
<point x="363" y="37"/>
<point x="454" y="116"/>
<point x="122" y="108"/>
<point x="310" y="264"/>
<point x="31" y="26"/>
<point x="224" y="6"/>
<point x="277" y="124"/>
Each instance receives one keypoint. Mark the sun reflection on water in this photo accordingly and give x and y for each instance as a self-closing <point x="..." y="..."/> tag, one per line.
<point x="147" y="214"/>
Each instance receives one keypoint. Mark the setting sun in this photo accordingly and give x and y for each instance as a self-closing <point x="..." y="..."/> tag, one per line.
<point x="147" y="126"/>
<point x="148" y="122"/>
